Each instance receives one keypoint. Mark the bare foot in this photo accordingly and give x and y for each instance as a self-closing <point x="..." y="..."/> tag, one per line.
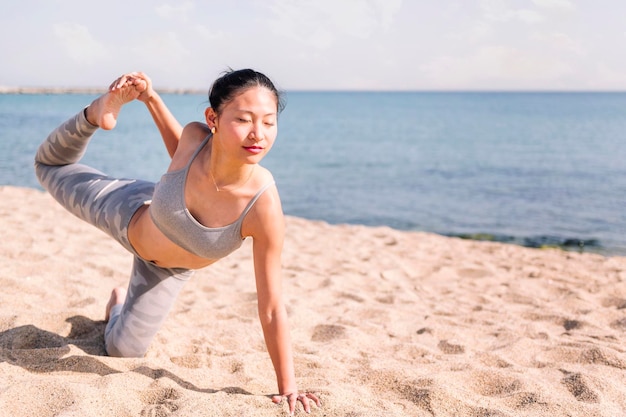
<point x="104" y="110"/>
<point x="118" y="295"/>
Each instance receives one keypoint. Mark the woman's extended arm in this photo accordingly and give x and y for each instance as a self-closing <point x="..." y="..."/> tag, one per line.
<point x="267" y="247"/>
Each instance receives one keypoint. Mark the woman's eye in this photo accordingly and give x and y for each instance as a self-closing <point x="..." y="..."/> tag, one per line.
<point x="243" y="120"/>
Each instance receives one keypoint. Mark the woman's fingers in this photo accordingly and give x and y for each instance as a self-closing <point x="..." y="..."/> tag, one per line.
<point x="124" y="79"/>
<point x="138" y="80"/>
<point x="293" y="398"/>
<point x="313" y="397"/>
<point x="305" y="400"/>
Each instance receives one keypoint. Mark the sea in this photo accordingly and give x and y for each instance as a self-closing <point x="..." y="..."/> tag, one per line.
<point x="538" y="169"/>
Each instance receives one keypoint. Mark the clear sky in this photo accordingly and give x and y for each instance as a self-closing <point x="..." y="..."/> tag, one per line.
<point x="319" y="44"/>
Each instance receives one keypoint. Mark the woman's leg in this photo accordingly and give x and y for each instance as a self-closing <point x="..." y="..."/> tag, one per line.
<point x="105" y="202"/>
<point x="151" y="293"/>
<point x="109" y="204"/>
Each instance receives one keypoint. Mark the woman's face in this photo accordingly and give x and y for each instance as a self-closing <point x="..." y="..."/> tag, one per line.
<point x="247" y="125"/>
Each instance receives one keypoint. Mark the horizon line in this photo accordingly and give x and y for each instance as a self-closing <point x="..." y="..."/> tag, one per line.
<point x="190" y="91"/>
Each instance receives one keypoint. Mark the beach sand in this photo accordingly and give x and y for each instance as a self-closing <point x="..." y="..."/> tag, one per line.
<point x="384" y="323"/>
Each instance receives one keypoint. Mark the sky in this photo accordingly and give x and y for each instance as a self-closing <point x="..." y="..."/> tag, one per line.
<point x="564" y="45"/>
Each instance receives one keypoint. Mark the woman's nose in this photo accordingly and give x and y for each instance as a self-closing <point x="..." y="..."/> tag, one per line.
<point x="257" y="133"/>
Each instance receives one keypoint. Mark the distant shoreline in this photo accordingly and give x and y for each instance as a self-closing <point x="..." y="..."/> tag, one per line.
<point x="84" y="90"/>
<point x="93" y="90"/>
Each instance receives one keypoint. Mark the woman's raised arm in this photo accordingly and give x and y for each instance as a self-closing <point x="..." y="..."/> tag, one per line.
<point x="164" y="120"/>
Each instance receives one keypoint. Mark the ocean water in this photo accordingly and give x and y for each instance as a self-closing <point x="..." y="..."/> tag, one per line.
<point x="537" y="169"/>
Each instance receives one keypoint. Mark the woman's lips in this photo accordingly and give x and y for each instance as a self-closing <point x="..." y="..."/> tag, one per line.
<point x="253" y="149"/>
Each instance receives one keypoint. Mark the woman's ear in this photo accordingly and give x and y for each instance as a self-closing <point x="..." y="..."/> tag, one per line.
<point x="211" y="117"/>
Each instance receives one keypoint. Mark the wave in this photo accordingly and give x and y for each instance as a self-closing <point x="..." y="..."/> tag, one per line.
<point x="543" y="242"/>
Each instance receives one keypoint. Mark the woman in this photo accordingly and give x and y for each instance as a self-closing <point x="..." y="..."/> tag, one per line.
<point x="213" y="195"/>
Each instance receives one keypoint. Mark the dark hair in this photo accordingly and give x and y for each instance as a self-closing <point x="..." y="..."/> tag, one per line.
<point x="232" y="82"/>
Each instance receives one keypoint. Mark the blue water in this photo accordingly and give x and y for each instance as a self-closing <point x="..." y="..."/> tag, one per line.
<point x="529" y="168"/>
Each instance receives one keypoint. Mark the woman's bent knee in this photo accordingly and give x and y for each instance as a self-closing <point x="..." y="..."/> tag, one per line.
<point x="119" y="343"/>
<point x="120" y="351"/>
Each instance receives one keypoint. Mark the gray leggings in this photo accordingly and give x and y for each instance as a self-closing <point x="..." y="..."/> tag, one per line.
<point x="109" y="204"/>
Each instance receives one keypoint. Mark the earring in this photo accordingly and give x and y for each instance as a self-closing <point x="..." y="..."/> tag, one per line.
<point x="213" y="130"/>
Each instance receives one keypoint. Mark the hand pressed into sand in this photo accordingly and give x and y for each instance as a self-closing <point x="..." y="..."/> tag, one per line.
<point x="292" y="399"/>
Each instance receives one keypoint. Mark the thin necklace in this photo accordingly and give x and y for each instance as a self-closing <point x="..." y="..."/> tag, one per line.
<point x="236" y="188"/>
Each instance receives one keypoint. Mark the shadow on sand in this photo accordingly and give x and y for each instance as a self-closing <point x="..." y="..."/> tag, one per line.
<point x="41" y="351"/>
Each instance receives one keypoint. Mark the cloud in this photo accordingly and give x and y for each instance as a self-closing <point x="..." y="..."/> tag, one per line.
<point x="480" y="30"/>
<point x="555" y="4"/>
<point x="319" y="23"/>
<point x="179" y="11"/>
<point x="560" y="42"/>
<point x="205" y="34"/>
<point x="500" y="11"/>
<point x="166" y="46"/>
<point x="606" y="77"/>
<point x="79" y="44"/>
<point x="496" y="66"/>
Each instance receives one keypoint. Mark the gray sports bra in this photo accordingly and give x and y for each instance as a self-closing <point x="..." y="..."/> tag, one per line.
<point x="171" y="216"/>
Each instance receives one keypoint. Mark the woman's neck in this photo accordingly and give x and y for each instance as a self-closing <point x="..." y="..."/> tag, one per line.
<point x="224" y="174"/>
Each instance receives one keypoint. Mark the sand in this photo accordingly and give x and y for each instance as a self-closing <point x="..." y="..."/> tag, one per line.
<point x="384" y="323"/>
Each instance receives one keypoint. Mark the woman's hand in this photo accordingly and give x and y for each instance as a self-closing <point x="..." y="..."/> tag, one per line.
<point x="140" y="81"/>
<point x="147" y="92"/>
<point x="292" y="399"/>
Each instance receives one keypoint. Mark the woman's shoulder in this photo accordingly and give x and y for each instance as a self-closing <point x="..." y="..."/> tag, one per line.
<point x="263" y="176"/>
<point x="191" y="138"/>
<point x="194" y="133"/>
<point x="267" y="209"/>
<point x="265" y="187"/>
